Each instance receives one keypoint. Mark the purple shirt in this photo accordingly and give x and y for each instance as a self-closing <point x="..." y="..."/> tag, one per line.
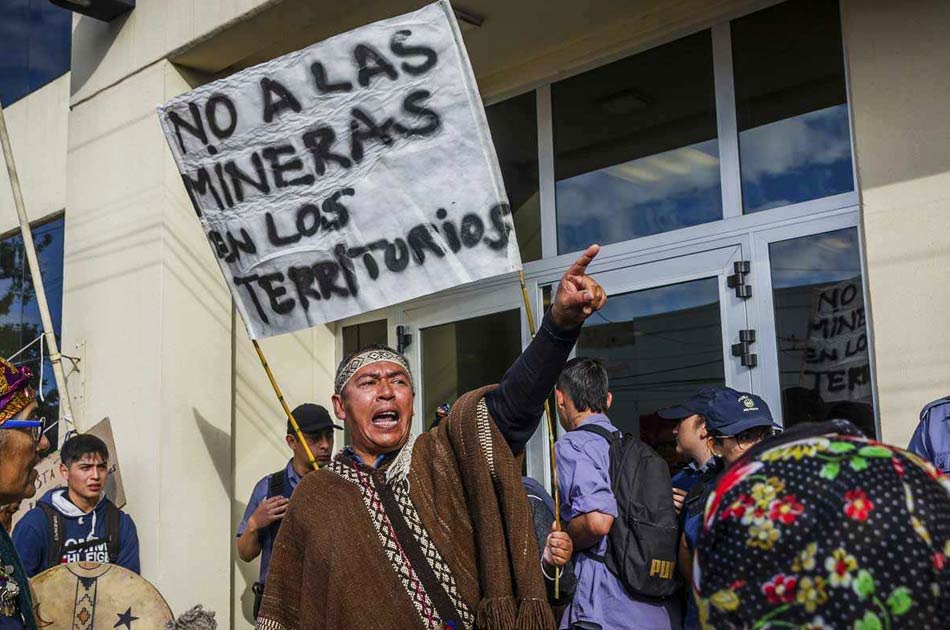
<point x="583" y="471"/>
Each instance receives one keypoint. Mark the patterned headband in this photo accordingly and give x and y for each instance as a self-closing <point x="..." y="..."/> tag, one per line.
<point x="362" y="359"/>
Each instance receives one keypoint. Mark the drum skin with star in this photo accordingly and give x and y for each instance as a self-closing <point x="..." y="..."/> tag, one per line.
<point x="93" y="596"/>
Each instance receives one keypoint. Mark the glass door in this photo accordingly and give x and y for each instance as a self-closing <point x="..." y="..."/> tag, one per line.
<point x="669" y="327"/>
<point x="461" y="342"/>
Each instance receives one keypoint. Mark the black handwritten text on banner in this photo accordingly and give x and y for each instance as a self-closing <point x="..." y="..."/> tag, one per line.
<point x="348" y="176"/>
<point x="836" y="363"/>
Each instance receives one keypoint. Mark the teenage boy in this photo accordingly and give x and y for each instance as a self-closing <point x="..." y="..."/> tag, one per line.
<point x="78" y="523"/>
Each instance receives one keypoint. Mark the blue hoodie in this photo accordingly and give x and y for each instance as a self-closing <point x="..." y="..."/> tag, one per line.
<point x="31" y="534"/>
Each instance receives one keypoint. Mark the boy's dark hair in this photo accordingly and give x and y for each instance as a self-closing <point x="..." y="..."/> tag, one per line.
<point x="584" y="381"/>
<point x="78" y="446"/>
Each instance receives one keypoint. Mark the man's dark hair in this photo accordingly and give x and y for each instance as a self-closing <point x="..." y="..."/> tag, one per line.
<point x="584" y="381"/>
<point x="78" y="446"/>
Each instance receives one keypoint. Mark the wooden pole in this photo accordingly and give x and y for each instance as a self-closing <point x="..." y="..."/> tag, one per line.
<point x="50" y="336"/>
<point x="283" y="403"/>
<point x="533" y="329"/>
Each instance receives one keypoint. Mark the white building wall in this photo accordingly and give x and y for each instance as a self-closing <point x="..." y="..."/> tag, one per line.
<point x="143" y="297"/>
<point x="37" y="124"/>
<point x="900" y="94"/>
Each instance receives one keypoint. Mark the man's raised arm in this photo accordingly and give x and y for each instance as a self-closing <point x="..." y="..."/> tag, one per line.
<point x="517" y="404"/>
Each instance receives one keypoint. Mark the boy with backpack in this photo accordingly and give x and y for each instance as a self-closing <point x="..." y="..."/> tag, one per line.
<point x="78" y="523"/>
<point x="616" y="502"/>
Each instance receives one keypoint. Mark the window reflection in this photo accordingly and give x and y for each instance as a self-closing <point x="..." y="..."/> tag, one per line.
<point x="659" y="345"/>
<point x="791" y="104"/>
<point x="464" y="355"/>
<point x="35" y="40"/>
<point x="514" y="130"/>
<point x="635" y="148"/>
<point x="821" y="329"/>
<point x="20" y="322"/>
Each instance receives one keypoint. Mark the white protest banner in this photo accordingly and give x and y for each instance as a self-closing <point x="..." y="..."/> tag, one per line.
<point x="353" y="174"/>
<point x="836" y="362"/>
<point x="48" y="475"/>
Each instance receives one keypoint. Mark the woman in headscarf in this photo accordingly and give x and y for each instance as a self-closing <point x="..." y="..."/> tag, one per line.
<point x="824" y="528"/>
<point x="21" y="442"/>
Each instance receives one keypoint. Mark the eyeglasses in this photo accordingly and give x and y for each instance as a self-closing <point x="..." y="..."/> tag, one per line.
<point x="37" y="427"/>
<point x="747" y="439"/>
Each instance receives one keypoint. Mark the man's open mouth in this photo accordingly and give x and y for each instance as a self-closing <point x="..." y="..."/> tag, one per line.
<point x="386" y="419"/>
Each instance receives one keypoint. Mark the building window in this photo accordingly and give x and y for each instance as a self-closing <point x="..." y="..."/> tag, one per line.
<point x="362" y="335"/>
<point x="514" y="130"/>
<point x="791" y="104"/>
<point x="20" y="322"/>
<point x="821" y="329"/>
<point x="659" y="345"/>
<point x="34" y="46"/>
<point x="635" y="146"/>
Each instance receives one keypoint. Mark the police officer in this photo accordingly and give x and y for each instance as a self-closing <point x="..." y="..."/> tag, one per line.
<point x="737" y="421"/>
<point x="268" y="503"/>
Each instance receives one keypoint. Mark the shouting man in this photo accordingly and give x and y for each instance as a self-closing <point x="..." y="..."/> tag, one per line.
<point x="78" y="523"/>
<point x="428" y="531"/>
<point x="21" y="442"/>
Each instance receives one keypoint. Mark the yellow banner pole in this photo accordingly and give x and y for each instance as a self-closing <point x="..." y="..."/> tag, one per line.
<point x="283" y="403"/>
<point x="533" y="329"/>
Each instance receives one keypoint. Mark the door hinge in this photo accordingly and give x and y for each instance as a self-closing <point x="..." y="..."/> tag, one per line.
<point x="403" y="339"/>
<point x="743" y="349"/>
<point x="736" y="281"/>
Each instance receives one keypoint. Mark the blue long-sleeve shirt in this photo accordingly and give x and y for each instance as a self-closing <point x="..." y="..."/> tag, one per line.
<point x="31" y="535"/>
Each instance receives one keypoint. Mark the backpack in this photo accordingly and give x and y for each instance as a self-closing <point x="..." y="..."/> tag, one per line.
<point x="643" y="541"/>
<point x="56" y="542"/>
<point x="276" y="485"/>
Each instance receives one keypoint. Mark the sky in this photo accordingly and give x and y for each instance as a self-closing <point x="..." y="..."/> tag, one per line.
<point x="35" y="40"/>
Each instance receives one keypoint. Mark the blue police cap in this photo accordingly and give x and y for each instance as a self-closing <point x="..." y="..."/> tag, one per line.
<point x="695" y="404"/>
<point x="731" y="412"/>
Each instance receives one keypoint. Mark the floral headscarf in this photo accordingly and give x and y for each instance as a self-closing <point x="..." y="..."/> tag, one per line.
<point x="831" y="531"/>
<point x="15" y="391"/>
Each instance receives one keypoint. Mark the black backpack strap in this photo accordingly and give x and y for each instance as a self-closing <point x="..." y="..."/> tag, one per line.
<point x="275" y="484"/>
<point x="56" y="534"/>
<point x="113" y="519"/>
<point x="610" y="436"/>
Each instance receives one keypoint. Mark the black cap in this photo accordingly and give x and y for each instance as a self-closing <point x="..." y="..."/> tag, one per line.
<point x="698" y="403"/>
<point x="312" y="419"/>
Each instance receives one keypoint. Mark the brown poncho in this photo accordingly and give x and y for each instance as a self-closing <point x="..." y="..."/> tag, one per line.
<point x="441" y="534"/>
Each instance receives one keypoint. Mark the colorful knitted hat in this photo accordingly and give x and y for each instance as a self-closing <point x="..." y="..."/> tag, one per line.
<point x="15" y="391"/>
<point x="827" y="531"/>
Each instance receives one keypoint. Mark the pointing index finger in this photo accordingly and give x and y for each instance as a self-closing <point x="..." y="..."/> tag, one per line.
<point x="579" y="268"/>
